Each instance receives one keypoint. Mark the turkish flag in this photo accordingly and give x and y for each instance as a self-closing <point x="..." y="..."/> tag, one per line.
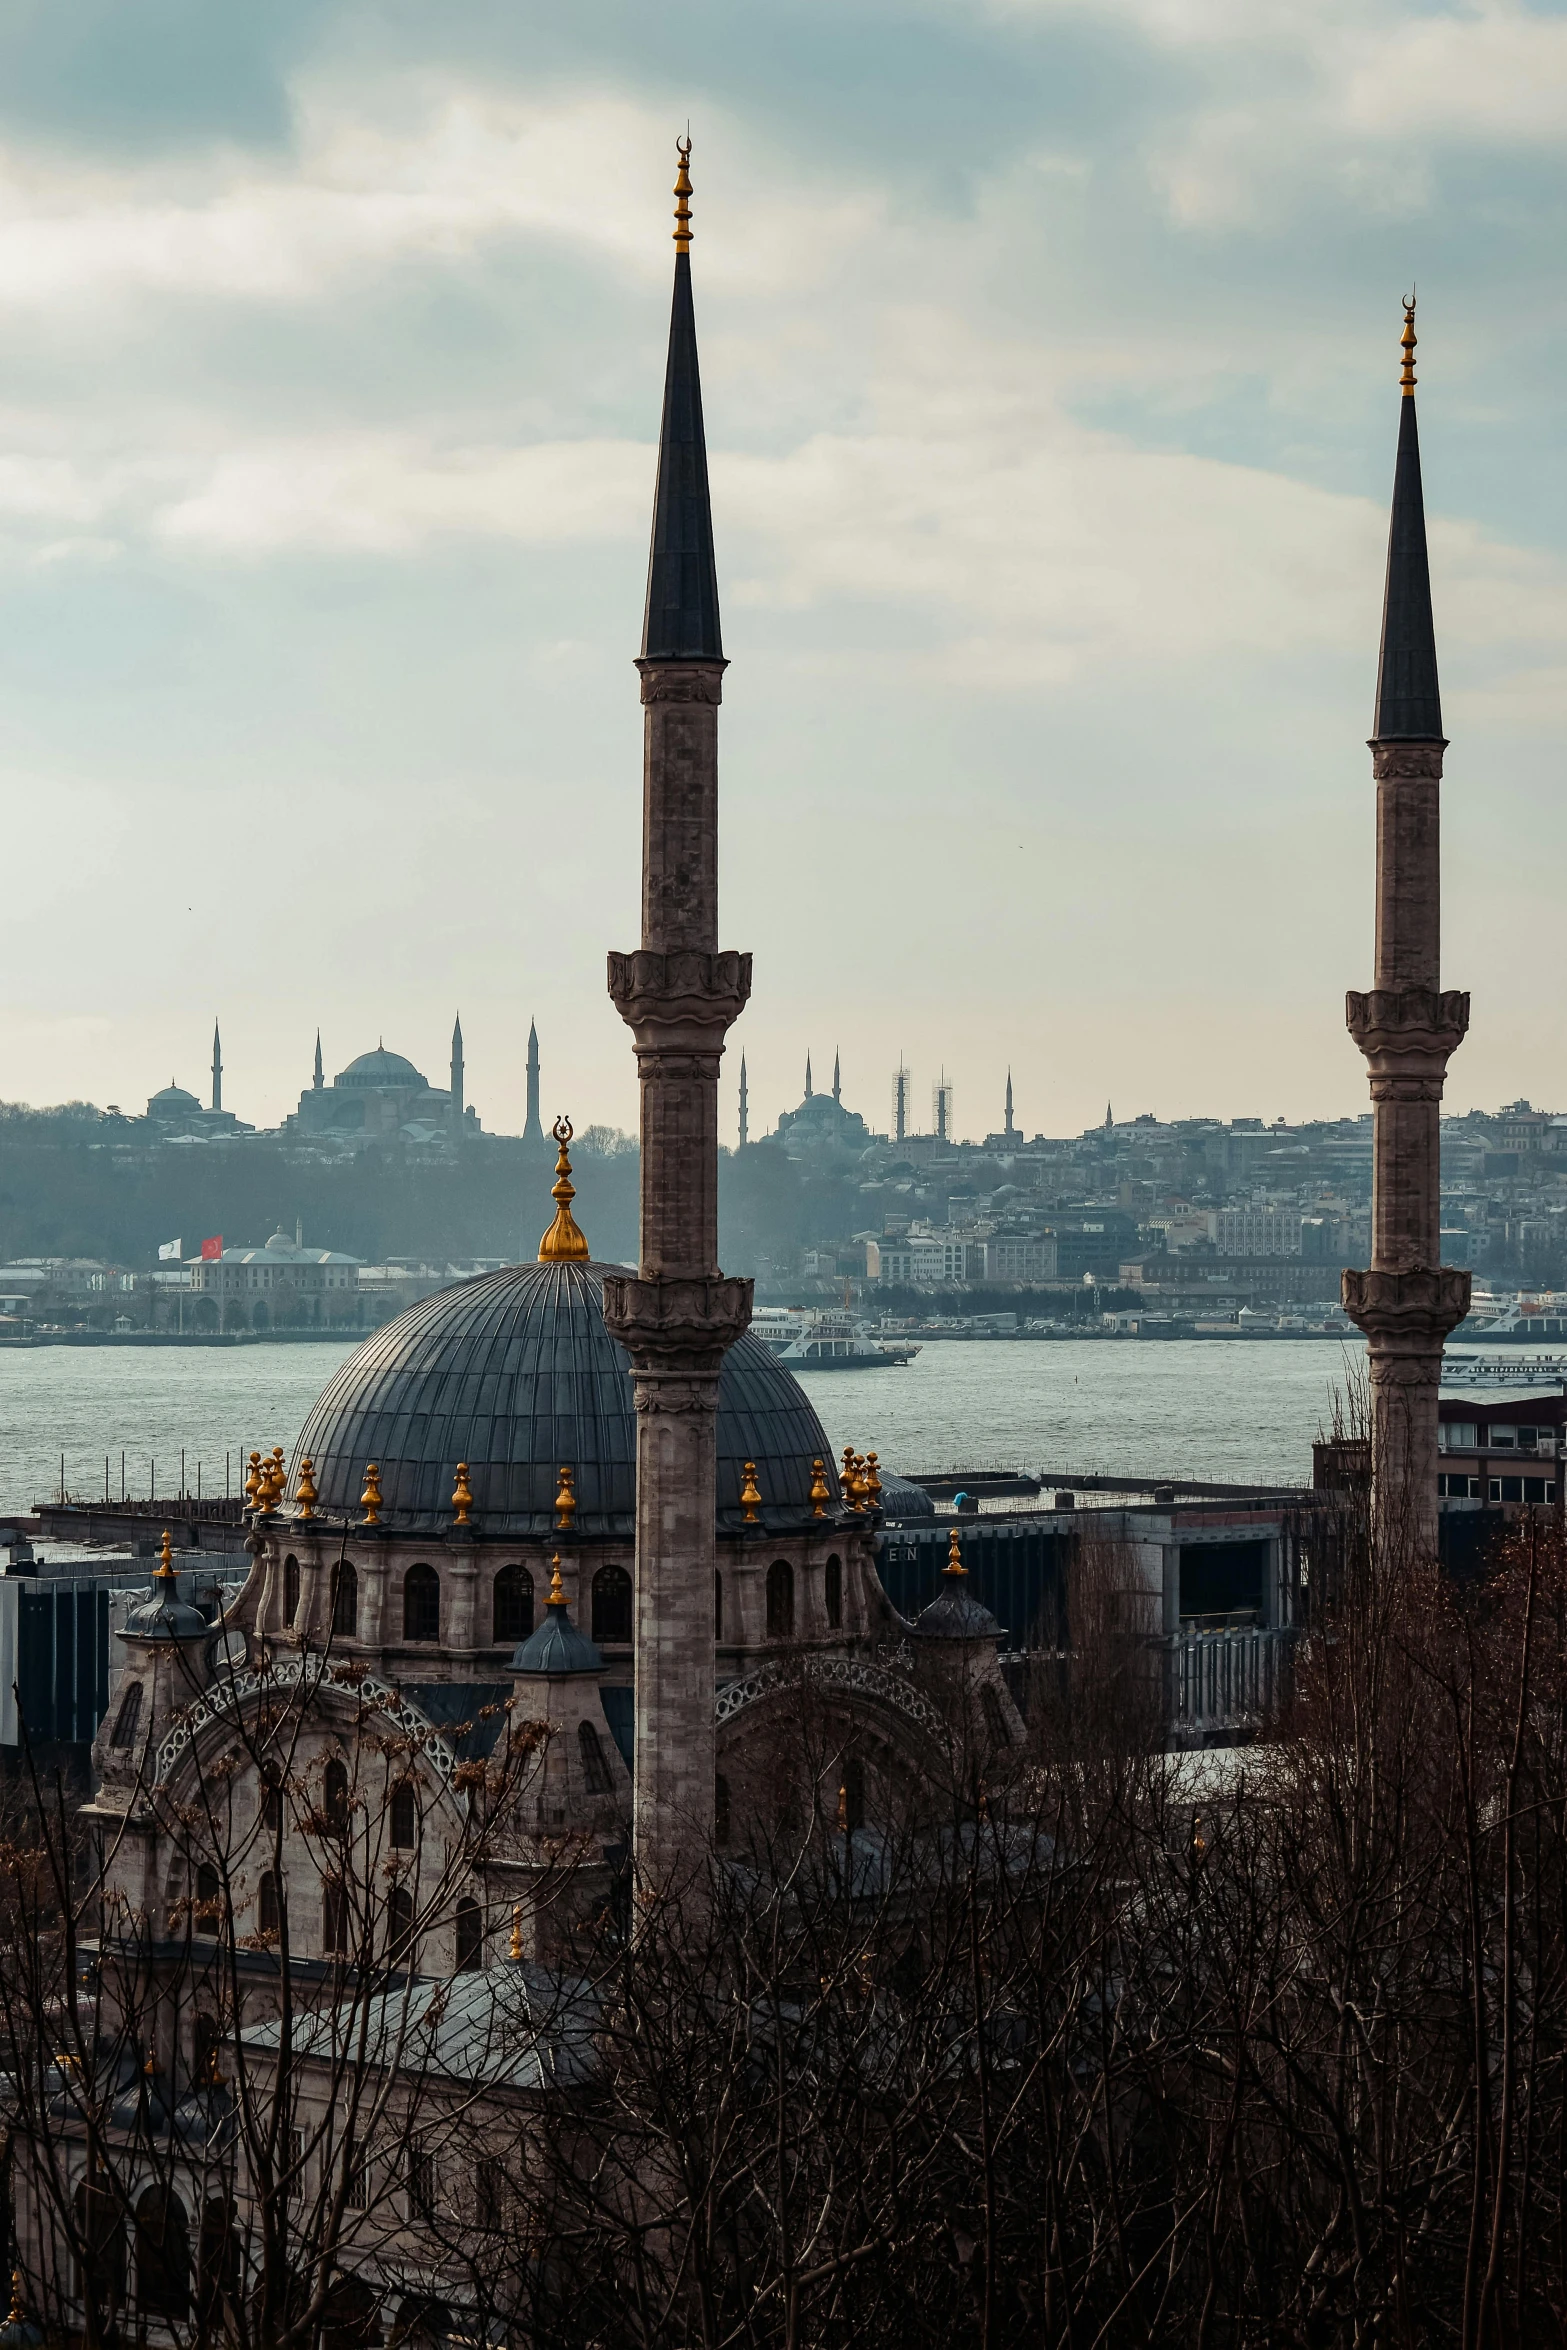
<point x="212" y="1249"/>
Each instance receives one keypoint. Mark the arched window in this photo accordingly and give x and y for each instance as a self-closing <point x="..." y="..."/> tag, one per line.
<point x="209" y="1899"/>
<point x="405" y="1816"/>
<point x="995" y="1714"/>
<point x="124" y="1731"/>
<point x="720" y="1809"/>
<point x="780" y="1600"/>
<point x="421" y="1604"/>
<point x="595" y="1764"/>
<point x="290" y="1588"/>
<point x="268" y="1908"/>
<point x="217" y="2265"/>
<point x="334" y="1918"/>
<point x="345" y="1599"/>
<point x="100" y="2261"/>
<point x="612" y="1604"/>
<point x="470" y="1936"/>
<point x="271" y="1804"/>
<point x="718" y="1605"/>
<point x="853" y="1784"/>
<point x="832" y="1590"/>
<point x="400" y="1926"/>
<point x="162" y="2254"/>
<point x="335" y="1795"/>
<point x="513" y="1599"/>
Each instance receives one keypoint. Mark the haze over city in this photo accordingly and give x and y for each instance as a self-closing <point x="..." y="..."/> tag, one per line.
<point x="1050" y="355"/>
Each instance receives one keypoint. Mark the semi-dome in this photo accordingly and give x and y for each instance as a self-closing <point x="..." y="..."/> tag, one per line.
<point x="381" y="1068"/>
<point x="515" y="1373"/>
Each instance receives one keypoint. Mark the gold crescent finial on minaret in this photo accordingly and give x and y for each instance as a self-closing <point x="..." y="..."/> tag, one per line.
<point x="683" y="195"/>
<point x="1407" y="344"/>
<point x="563" y="1239"/>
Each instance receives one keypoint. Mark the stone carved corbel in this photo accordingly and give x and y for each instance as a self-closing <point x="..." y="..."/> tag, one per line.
<point x="681" y="1003"/>
<point x="677" y="1328"/>
<point x="1408" y="1313"/>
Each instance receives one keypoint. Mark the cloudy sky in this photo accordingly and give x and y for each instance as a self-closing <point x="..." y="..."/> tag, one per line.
<point x="1050" y="361"/>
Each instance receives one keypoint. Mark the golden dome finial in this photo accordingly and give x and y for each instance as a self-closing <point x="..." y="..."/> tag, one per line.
<point x="954" y="1565"/>
<point x="253" y="1482"/>
<point x="563" y="1240"/>
<point x="566" y="1501"/>
<point x="870" y="1483"/>
<point x="516" y="1929"/>
<point x="165" y="1567"/>
<point x="1407" y="344"/>
<point x="750" y="1496"/>
<point x="305" y="1493"/>
<point x="821" y="1491"/>
<point x="462" y="1496"/>
<point x="557" y="1590"/>
<point x="370" y="1499"/>
<point x="683" y="195"/>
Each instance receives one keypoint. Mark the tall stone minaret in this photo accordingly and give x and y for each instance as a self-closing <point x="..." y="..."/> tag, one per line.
<point x="319" y="1078"/>
<point x="457" y="1079"/>
<point x="1407" y="1027"/>
<point x="679" y="995"/>
<point x="837" y="1080"/>
<point x="808" y="1086"/>
<point x="533" y="1129"/>
<point x="1009" y="1130"/>
<point x="217" y="1068"/>
<point x="745" y="1119"/>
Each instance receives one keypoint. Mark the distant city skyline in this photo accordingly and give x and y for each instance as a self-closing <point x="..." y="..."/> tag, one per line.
<point x="1050" y="480"/>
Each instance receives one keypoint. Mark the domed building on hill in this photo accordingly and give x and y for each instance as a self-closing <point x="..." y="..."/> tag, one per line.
<point x="382" y="1097"/>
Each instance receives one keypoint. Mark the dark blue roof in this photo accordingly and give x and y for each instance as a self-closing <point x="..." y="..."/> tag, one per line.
<point x="515" y="1373"/>
<point x="1409" y="700"/>
<point x="681" y="619"/>
<point x="557" y="1647"/>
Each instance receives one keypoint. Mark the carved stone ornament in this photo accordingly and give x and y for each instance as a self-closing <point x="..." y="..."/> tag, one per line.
<point x="682" y="681"/>
<point x="1389" y="1021"/>
<point x="684" y="1002"/>
<point x="1406" y="1312"/>
<point x="683" y="1328"/>
<point x="1407" y="762"/>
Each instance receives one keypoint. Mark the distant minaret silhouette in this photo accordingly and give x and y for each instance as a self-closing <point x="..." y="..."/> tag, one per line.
<point x="1109" y="1121"/>
<point x="533" y="1130"/>
<point x="807" y="1076"/>
<point x="745" y="1123"/>
<point x="217" y="1068"/>
<point x="837" y="1080"/>
<point x="319" y="1079"/>
<point x="900" y="1101"/>
<point x="1009" y="1130"/>
<point x="457" y="1079"/>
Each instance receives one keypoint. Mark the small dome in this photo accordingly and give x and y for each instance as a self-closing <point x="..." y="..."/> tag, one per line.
<point x="172" y="1097"/>
<point x="279" y="1239"/>
<point x="955" y="1613"/>
<point x="557" y="1646"/>
<point x="163" y="1615"/>
<point x="516" y="1374"/>
<point x="381" y="1068"/>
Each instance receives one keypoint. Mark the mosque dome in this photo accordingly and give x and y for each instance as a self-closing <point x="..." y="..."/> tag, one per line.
<point x="169" y="1098"/>
<point x="381" y="1068"/>
<point x="516" y="1374"/>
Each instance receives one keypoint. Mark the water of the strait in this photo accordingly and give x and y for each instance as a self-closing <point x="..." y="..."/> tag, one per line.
<point x="1226" y="1409"/>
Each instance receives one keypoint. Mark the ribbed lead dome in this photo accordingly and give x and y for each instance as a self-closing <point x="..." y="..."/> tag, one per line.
<point x="515" y="1373"/>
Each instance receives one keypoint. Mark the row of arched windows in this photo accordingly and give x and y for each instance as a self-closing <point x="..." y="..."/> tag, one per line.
<point x="512" y="1605"/>
<point x="511" y="1602"/>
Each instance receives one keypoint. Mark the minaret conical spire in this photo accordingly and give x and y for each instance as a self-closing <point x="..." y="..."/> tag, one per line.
<point x="681" y="618"/>
<point x="837" y="1080"/>
<point x="808" y="1077"/>
<point x="533" y="1126"/>
<point x="217" y="1068"/>
<point x="745" y="1109"/>
<point x="319" y="1078"/>
<point x="1409" y="704"/>
<point x="459" y="1103"/>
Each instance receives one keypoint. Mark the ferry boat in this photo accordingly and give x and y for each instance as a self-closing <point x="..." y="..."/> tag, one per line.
<point x="808" y="1339"/>
<point x="1535" y="1314"/>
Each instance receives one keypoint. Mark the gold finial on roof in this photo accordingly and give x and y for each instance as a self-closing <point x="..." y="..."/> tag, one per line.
<point x="370" y="1499"/>
<point x="1407" y="344"/>
<point x="18" y="2309"/>
<point x="165" y="1567"/>
<point x="305" y="1492"/>
<point x="870" y="1483"/>
<point x="683" y="195"/>
<point x="516" y="1929"/>
<point x="462" y="1495"/>
<point x="563" y="1240"/>
<point x="850" y="1479"/>
<point x="821" y="1491"/>
<point x="954" y="1565"/>
<point x="750" y="1496"/>
<point x="253" y="1481"/>
<point x="566" y="1500"/>
<point x="557" y="1591"/>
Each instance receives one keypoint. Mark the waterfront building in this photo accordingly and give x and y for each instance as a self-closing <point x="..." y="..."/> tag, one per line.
<point x="281" y="1281"/>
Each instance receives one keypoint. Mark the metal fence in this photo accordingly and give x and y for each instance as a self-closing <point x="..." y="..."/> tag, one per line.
<point x="1226" y="1679"/>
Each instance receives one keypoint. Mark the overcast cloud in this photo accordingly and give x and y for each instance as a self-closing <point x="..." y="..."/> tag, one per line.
<point x="1050" y="364"/>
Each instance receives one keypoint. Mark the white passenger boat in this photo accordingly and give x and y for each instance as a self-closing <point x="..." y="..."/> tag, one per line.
<point x="809" y="1339"/>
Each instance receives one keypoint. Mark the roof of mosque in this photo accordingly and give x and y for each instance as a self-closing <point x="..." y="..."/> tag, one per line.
<point x="515" y="1374"/>
<point x="380" y="1068"/>
<point x="172" y="1097"/>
